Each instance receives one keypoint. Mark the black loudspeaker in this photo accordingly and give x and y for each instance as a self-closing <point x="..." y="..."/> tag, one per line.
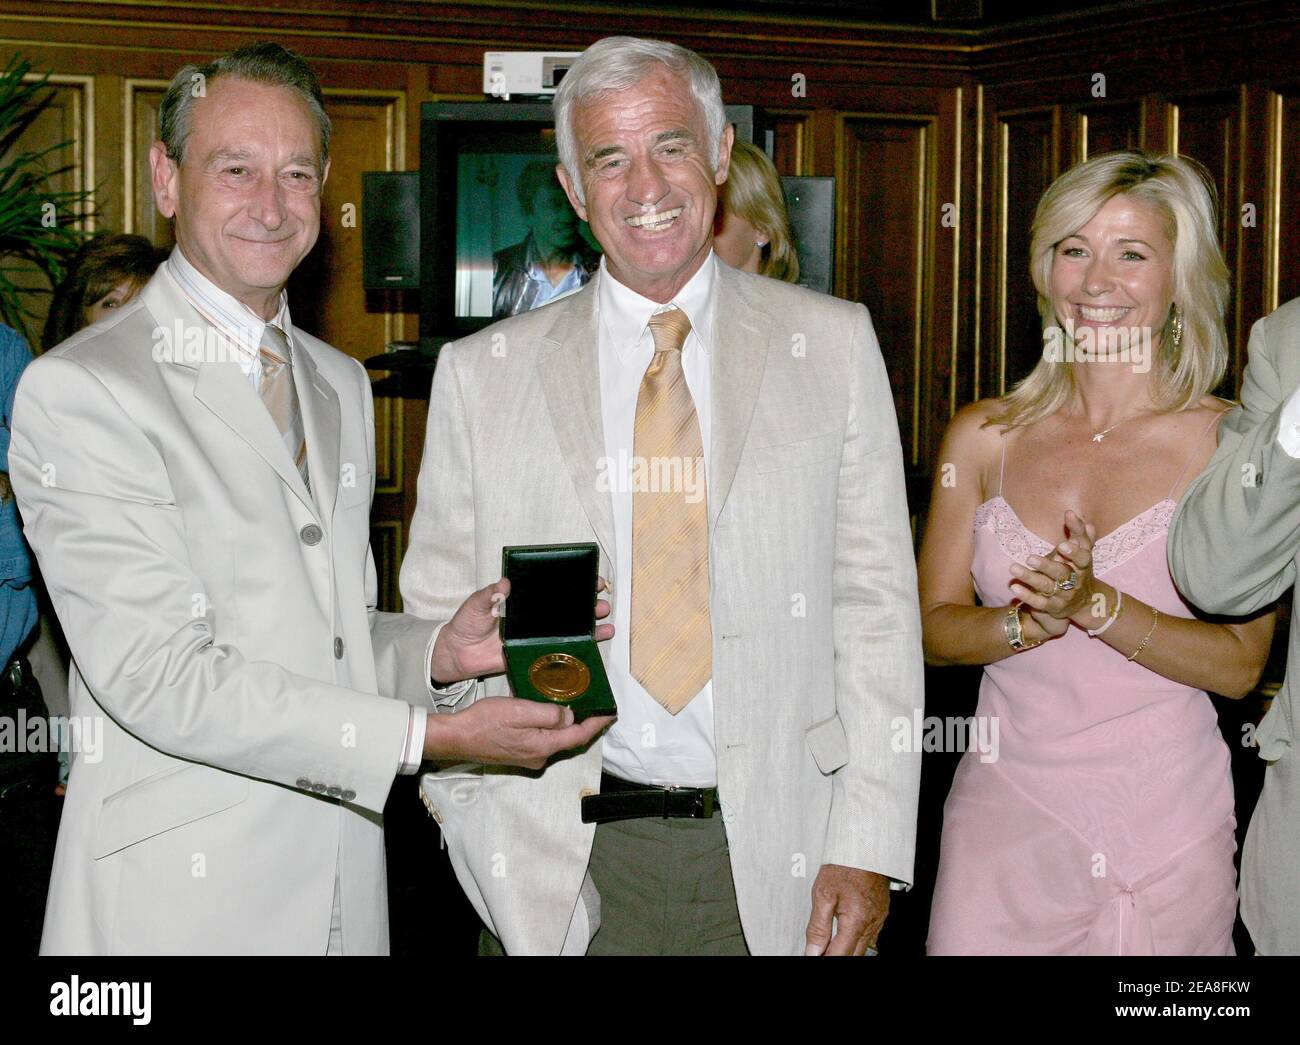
<point x="390" y="230"/>
<point x="811" y="203"/>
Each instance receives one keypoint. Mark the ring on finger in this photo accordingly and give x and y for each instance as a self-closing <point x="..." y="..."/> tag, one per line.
<point x="1070" y="583"/>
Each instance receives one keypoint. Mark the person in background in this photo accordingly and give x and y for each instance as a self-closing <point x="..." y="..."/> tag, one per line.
<point x="752" y="229"/>
<point x="106" y="273"/>
<point x="1233" y="548"/>
<point x="552" y="259"/>
<point x="1102" y="819"/>
<point x="28" y="811"/>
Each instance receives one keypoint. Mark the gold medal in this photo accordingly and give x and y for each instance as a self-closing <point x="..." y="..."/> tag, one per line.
<point x="559" y="676"/>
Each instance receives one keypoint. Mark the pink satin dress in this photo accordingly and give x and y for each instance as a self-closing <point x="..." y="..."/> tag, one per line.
<point x="1106" y="823"/>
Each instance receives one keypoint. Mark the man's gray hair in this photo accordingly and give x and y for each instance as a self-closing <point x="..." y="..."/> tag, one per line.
<point x="266" y="63"/>
<point x="619" y="62"/>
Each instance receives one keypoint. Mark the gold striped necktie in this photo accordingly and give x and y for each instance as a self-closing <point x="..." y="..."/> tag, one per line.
<point x="280" y="396"/>
<point x="671" y="638"/>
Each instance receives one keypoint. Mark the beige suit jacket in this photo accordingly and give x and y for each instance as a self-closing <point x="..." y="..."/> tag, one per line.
<point x="222" y="623"/>
<point x="807" y="510"/>
<point x="1233" y="549"/>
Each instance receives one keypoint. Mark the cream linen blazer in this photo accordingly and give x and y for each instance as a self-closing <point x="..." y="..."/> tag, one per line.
<point x="222" y="623"/>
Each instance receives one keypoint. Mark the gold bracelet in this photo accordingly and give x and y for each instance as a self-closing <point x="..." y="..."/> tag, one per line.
<point x="1014" y="629"/>
<point x="1155" y="619"/>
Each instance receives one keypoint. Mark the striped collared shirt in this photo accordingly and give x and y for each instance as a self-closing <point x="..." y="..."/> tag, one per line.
<point x="238" y="324"/>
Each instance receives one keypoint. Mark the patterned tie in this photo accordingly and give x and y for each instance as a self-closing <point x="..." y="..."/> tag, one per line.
<point x="279" y="395"/>
<point x="671" y="639"/>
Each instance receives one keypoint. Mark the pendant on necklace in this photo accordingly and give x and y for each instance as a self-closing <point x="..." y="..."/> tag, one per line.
<point x="1099" y="437"/>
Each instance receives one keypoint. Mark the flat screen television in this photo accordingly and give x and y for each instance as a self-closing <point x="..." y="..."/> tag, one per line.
<point x="489" y="204"/>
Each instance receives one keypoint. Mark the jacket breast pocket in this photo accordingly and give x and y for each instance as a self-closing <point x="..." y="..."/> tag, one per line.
<point x="356" y="492"/>
<point x="829" y="744"/>
<point x="815" y="451"/>
<point x="162" y="802"/>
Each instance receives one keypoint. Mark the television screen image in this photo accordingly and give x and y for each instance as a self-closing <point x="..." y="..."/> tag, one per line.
<point x="519" y="243"/>
<point x="497" y="233"/>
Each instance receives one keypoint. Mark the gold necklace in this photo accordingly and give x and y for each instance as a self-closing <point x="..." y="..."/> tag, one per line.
<point x="1097" y="437"/>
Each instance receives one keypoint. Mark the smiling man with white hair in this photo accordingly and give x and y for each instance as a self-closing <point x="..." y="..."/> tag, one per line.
<point x="747" y="798"/>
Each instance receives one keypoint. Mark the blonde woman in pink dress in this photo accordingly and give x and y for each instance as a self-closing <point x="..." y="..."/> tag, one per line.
<point x="1105" y="824"/>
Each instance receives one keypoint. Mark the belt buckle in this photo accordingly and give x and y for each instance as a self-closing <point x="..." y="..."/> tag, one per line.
<point x="701" y="808"/>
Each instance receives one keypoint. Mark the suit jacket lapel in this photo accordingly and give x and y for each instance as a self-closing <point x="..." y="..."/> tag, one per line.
<point x="569" y="371"/>
<point x="739" y="353"/>
<point x="221" y="386"/>
<point x="320" y="422"/>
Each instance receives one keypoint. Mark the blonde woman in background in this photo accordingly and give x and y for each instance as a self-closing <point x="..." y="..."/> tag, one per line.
<point x="1102" y="821"/>
<point x="752" y="228"/>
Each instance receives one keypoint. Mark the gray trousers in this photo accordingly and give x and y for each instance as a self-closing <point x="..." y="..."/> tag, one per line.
<point x="665" y="889"/>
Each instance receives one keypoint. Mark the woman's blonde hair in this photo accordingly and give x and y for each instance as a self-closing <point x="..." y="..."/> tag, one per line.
<point x="753" y="190"/>
<point x="1181" y="191"/>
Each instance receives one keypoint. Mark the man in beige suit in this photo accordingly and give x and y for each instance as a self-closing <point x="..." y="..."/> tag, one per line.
<point x="1233" y="549"/>
<point x="766" y="626"/>
<point x="195" y="476"/>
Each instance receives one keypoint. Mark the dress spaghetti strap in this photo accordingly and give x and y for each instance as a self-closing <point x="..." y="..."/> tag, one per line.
<point x="1213" y="421"/>
<point x="1003" y="469"/>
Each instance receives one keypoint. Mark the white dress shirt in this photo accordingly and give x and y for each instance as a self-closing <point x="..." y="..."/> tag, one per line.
<point x="647" y="744"/>
<point x="242" y="330"/>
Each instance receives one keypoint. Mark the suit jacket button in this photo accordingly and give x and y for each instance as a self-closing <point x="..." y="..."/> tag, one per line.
<point x="334" y="792"/>
<point x="338" y="648"/>
<point x="348" y="795"/>
<point x="303" y="783"/>
<point x="311" y="534"/>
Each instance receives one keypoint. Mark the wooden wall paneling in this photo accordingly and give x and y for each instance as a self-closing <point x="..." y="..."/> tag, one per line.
<point x="387" y="546"/>
<point x="328" y="299"/>
<point x="1207" y="126"/>
<point x="887" y="222"/>
<point x="109" y="156"/>
<point x="824" y="148"/>
<point x="1157" y="133"/>
<point x="366" y="137"/>
<point x="1107" y="128"/>
<point x="952" y="224"/>
<point x="792" y="131"/>
<point x="1254" y="223"/>
<point x="1284" y="168"/>
<point x="972" y="297"/>
<point x="1024" y="148"/>
<point x="140" y="129"/>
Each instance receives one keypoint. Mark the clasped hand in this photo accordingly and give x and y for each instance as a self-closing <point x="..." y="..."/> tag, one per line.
<point x="1037" y="584"/>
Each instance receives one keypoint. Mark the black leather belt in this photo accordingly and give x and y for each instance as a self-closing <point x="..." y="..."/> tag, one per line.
<point x="621" y="799"/>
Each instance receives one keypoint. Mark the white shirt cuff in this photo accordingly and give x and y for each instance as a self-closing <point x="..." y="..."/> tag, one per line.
<point x="443" y="696"/>
<point x="1288" y="432"/>
<point x="413" y="750"/>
